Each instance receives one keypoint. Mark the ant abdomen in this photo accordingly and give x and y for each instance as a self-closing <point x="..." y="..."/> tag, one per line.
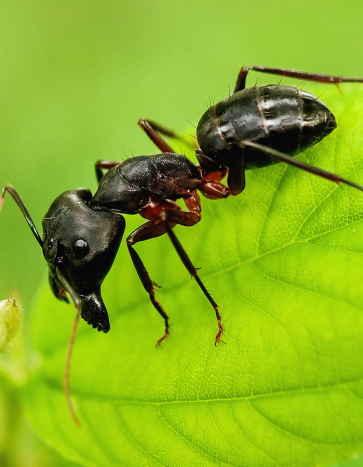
<point x="280" y="117"/>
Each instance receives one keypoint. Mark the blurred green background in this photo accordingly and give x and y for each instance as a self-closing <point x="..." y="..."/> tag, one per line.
<point x="77" y="75"/>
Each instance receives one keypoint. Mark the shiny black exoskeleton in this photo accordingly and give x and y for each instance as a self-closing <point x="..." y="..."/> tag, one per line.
<point x="281" y="117"/>
<point x="80" y="245"/>
<point x="259" y="126"/>
<point x="127" y="187"/>
<point x="82" y="233"/>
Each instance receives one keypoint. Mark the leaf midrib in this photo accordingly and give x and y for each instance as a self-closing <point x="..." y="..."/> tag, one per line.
<point x="118" y="400"/>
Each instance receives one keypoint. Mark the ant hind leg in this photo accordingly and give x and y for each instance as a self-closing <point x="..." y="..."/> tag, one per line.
<point x="155" y="130"/>
<point x="316" y="77"/>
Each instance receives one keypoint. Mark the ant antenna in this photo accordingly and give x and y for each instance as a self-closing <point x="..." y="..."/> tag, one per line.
<point x="67" y="388"/>
<point x="11" y="190"/>
<point x="78" y="304"/>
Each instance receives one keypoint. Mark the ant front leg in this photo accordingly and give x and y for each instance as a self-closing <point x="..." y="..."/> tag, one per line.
<point x="154" y="130"/>
<point x="316" y="77"/>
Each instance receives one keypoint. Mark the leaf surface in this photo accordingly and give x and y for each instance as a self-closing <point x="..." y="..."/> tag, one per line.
<point x="284" y="262"/>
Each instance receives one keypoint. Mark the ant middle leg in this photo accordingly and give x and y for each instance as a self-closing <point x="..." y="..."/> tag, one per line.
<point x="172" y="217"/>
<point x="180" y="217"/>
<point x="316" y="77"/>
<point x="152" y="229"/>
<point x="155" y="130"/>
<point x="167" y="217"/>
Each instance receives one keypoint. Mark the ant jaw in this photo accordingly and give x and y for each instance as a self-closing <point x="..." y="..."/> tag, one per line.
<point x="94" y="312"/>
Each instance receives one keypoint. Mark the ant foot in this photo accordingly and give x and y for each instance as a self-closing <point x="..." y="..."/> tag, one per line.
<point x="218" y="336"/>
<point x="158" y="344"/>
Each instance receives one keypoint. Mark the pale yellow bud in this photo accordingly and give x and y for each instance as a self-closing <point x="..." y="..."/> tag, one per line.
<point x="9" y="321"/>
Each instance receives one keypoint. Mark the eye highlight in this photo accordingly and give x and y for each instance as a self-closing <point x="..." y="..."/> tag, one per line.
<point x="80" y="248"/>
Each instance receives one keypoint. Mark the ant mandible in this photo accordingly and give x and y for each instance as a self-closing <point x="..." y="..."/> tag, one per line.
<point x="82" y="232"/>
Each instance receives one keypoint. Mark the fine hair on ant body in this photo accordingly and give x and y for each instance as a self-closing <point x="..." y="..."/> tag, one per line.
<point x="252" y="128"/>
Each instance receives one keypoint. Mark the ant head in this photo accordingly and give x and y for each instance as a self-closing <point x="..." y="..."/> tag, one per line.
<point x="80" y="245"/>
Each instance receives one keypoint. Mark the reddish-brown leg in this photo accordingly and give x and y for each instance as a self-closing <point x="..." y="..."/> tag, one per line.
<point x="316" y="77"/>
<point x="154" y="130"/>
<point x="168" y="214"/>
<point x="151" y="229"/>
<point x="215" y="190"/>
<point x="173" y="215"/>
<point x="282" y="157"/>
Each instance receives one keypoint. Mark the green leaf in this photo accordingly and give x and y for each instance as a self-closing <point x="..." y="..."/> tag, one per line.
<point x="284" y="262"/>
<point x="356" y="461"/>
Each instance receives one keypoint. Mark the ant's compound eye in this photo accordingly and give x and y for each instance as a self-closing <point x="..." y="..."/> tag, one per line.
<point x="80" y="248"/>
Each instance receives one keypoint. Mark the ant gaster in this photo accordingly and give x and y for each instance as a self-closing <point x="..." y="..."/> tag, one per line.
<point x="251" y="128"/>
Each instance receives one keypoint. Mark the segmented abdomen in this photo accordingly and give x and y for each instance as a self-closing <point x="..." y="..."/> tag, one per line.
<point x="281" y="117"/>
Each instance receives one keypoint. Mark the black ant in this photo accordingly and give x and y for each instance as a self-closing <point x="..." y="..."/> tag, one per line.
<point x="82" y="232"/>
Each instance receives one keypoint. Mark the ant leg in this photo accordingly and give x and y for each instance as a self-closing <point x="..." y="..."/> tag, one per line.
<point x="151" y="229"/>
<point x="236" y="175"/>
<point x="154" y="228"/>
<point x="317" y="77"/>
<point x="215" y="190"/>
<point x="280" y="156"/>
<point x="172" y="217"/>
<point x="152" y="129"/>
<point x="188" y="219"/>
<point x="104" y="164"/>
<point x="166" y="220"/>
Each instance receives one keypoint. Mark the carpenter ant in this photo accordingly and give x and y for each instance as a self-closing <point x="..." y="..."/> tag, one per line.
<point x="82" y="232"/>
<point x="259" y="126"/>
